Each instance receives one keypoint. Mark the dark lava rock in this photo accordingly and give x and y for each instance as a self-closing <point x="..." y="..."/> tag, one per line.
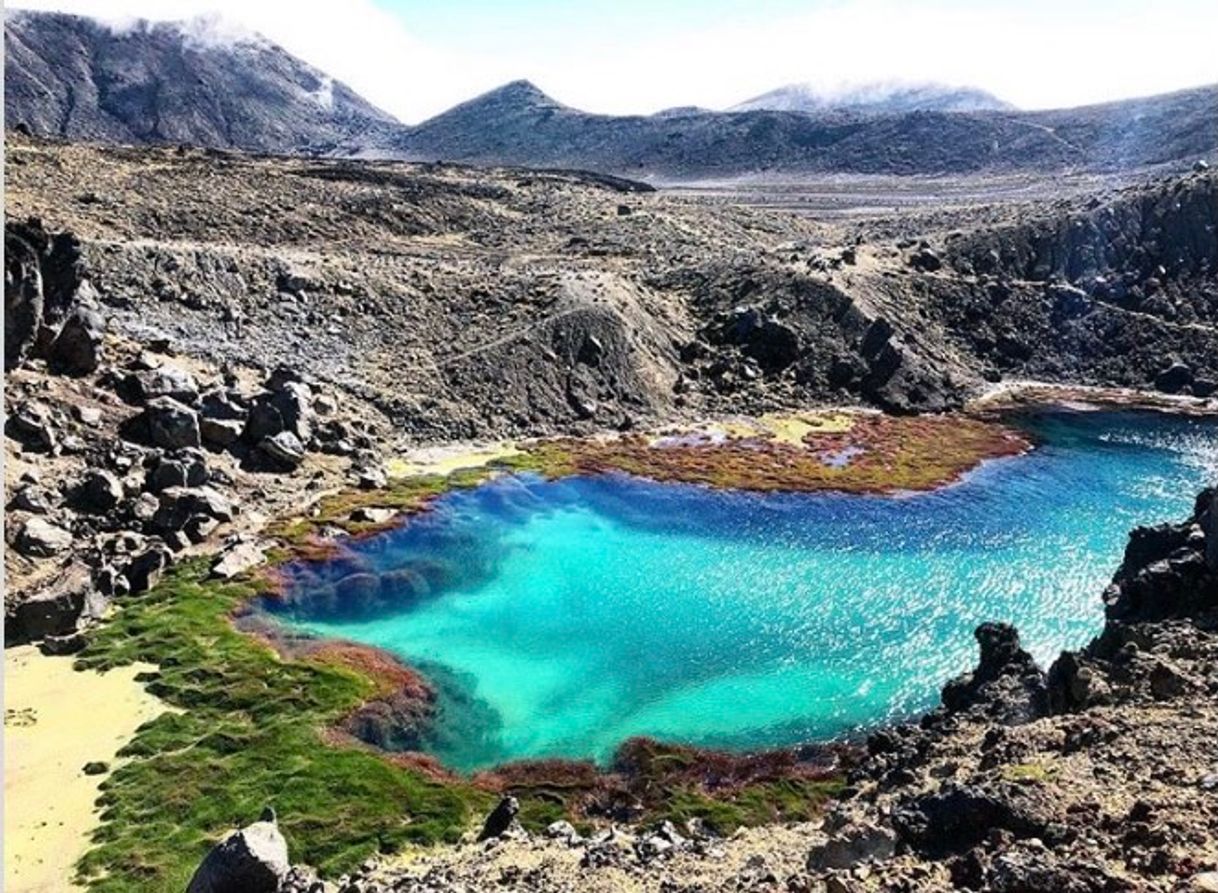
<point x="77" y="348"/>
<point x="41" y="539"/>
<point x="1007" y="684"/>
<point x="925" y="260"/>
<point x="187" y="468"/>
<point x="251" y="860"/>
<point x="284" y="449"/>
<point x="58" y="608"/>
<point x="1169" y="570"/>
<point x="179" y="504"/>
<point x="43" y="274"/>
<point x="146" y="569"/>
<point x="100" y="491"/>
<point x="170" y="425"/>
<point x="501" y="819"/>
<point x="956" y="818"/>
<point x="31" y="425"/>
<point x="1174" y="379"/>
<point x="163" y="381"/>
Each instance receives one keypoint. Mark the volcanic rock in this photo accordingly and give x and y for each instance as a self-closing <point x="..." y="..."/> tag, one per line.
<point x="253" y="859"/>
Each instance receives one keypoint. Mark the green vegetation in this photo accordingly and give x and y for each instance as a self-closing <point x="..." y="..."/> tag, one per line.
<point x="1029" y="773"/>
<point x="782" y="800"/>
<point x="250" y="734"/>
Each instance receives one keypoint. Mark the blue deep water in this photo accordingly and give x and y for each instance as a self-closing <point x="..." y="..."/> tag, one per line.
<point x="560" y="618"/>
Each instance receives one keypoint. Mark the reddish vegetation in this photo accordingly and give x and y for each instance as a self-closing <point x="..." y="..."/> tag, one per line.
<point x="878" y="454"/>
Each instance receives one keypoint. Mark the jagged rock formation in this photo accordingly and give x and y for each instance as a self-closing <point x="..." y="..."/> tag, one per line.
<point x="188" y="82"/>
<point x="1128" y="284"/>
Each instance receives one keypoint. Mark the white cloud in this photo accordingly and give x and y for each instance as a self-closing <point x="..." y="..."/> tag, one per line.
<point x="1033" y="54"/>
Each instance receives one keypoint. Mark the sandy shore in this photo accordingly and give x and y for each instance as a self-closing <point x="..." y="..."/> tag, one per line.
<point x="1019" y="393"/>
<point x="444" y="460"/>
<point x="55" y="721"/>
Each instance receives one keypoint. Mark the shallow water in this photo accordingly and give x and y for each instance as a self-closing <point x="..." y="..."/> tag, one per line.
<point x="559" y="618"/>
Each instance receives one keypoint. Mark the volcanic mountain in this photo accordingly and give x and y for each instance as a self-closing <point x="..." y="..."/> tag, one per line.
<point x="197" y="82"/>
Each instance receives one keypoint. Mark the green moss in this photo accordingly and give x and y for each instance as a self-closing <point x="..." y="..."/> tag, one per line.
<point x="251" y="736"/>
<point x="792" y="800"/>
<point x="1029" y="773"/>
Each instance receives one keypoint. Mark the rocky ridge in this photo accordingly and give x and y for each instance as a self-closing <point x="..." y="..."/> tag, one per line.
<point x="198" y="83"/>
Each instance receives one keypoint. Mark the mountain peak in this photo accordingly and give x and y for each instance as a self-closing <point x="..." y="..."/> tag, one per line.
<point x="201" y="81"/>
<point x="516" y="93"/>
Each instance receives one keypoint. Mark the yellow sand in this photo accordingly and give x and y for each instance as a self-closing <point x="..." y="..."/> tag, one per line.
<point x="55" y="721"/>
<point x="447" y="459"/>
<point x="789" y="428"/>
<point x="793" y="429"/>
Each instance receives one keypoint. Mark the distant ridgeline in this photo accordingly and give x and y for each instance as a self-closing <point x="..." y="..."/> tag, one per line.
<point x="199" y="84"/>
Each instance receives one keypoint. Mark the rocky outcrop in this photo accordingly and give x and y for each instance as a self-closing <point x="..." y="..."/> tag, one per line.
<point x="48" y="301"/>
<point x="1121" y="290"/>
<point x="1007" y="685"/>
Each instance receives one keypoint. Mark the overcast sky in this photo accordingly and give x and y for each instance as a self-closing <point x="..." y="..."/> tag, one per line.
<point x="415" y="58"/>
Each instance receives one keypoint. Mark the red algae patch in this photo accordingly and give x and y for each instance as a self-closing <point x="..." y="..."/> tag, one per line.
<point x="874" y="454"/>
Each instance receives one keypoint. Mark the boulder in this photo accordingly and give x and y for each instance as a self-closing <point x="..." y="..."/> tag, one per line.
<point x="238" y="558"/>
<point x="853" y="845"/>
<point x="188" y="468"/>
<point x="31" y="498"/>
<point x="100" y="491"/>
<point x="199" y="527"/>
<point x="1174" y="379"/>
<point x="77" y="348"/>
<point x="251" y="860"/>
<point x="223" y="403"/>
<point x="179" y="504"/>
<point x="58" y="608"/>
<point x="23" y="301"/>
<point x="370" y="514"/>
<point x="956" y="818"/>
<point x="284" y="448"/>
<point x="290" y="408"/>
<point x="41" y="539"/>
<point x="164" y="381"/>
<point x="220" y="433"/>
<point x="31" y="425"/>
<point x="171" y="425"/>
<point x="146" y="569"/>
<point x="925" y="260"/>
<point x="501" y="820"/>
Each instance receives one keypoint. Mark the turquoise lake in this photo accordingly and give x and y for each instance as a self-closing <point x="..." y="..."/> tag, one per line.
<point x="560" y="618"/>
